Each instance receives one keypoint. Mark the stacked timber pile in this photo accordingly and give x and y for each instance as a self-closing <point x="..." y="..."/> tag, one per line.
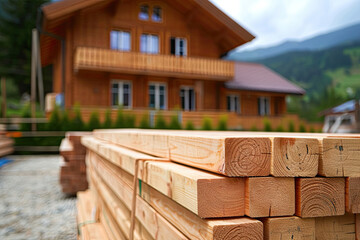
<point x="6" y="144"/>
<point x="220" y="185"/>
<point x="73" y="168"/>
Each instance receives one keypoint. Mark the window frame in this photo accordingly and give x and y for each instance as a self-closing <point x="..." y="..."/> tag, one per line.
<point x="161" y="13"/>
<point x="177" y="46"/>
<point x="148" y="12"/>
<point x="233" y="98"/>
<point x="187" y="89"/>
<point x="148" y="43"/>
<point x="120" y="31"/>
<point x="157" y="95"/>
<point x="121" y="93"/>
<point x="262" y="102"/>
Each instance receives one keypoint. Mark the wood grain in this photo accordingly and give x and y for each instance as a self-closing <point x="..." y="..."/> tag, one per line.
<point x="352" y="197"/>
<point x="206" y="194"/>
<point x="357" y="226"/>
<point x="337" y="227"/>
<point x="320" y="197"/>
<point x="269" y="197"/>
<point x="289" y="228"/>
<point x="340" y="157"/>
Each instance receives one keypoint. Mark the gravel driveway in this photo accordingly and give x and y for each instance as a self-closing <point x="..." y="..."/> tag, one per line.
<point x="32" y="205"/>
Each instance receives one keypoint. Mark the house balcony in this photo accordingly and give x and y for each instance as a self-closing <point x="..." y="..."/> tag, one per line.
<point x="98" y="59"/>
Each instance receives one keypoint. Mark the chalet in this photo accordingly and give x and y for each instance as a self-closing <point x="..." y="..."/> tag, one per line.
<point x="148" y="55"/>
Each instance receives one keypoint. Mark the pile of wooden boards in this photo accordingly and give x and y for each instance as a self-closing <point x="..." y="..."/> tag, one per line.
<point x="147" y="184"/>
<point x="6" y="144"/>
<point x="73" y="168"/>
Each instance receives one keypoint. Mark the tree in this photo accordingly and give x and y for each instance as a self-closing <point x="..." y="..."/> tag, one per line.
<point x="17" y="19"/>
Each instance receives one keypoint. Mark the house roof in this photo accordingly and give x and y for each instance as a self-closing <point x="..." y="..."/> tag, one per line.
<point x="346" y="107"/>
<point x="257" y="77"/>
<point x="229" y="33"/>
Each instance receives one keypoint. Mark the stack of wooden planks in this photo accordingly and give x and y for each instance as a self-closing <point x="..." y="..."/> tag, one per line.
<point x="147" y="184"/>
<point x="6" y="145"/>
<point x="73" y="168"/>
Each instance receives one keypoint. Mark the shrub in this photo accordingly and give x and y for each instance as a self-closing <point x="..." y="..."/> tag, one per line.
<point x="222" y="124"/>
<point x="280" y="128"/>
<point x="302" y="128"/>
<point x="145" y="123"/>
<point x="189" y="125"/>
<point x="119" y="122"/>
<point x="25" y="113"/>
<point x="254" y="128"/>
<point x="65" y="121"/>
<point x="107" y="122"/>
<point x="77" y="123"/>
<point x="55" y="123"/>
<point x="267" y="125"/>
<point x="206" y="124"/>
<point x="291" y="127"/>
<point x="312" y="129"/>
<point x="94" y="122"/>
<point x="160" y="122"/>
<point x="174" y="123"/>
<point x="129" y="121"/>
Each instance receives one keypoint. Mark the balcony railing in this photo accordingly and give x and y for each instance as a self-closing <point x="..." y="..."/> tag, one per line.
<point x="140" y="63"/>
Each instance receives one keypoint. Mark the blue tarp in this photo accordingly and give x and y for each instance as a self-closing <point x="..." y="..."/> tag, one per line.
<point x="4" y="161"/>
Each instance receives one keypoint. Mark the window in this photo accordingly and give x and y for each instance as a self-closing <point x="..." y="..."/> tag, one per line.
<point x="157" y="96"/>
<point x="263" y="106"/>
<point x="120" y="40"/>
<point x="157" y="14"/>
<point x="121" y="93"/>
<point x="187" y="97"/>
<point x="144" y="12"/>
<point x="233" y="103"/>
<point x="149" y="43"/>
<point x="178" y="46"/>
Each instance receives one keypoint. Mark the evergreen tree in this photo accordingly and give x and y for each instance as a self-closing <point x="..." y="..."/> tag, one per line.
<point x="17" y="19"/>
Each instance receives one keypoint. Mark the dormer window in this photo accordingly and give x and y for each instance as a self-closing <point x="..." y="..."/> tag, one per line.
<point x="144" y="12"/>
<point x="157" y="14"/>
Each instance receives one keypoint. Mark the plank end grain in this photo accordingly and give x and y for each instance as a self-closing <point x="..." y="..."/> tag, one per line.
<point x="352" y="196"/>
<point x="247" y="157"/>
<point x="336" y="227"/>
<point x="295" y="157"/>
<point x="289" y="228"/>
<point x="241" y="228"/>
<point x="221" y="197"/>
<point x="269" y="197"/>
<point x="320" y="197"/>
<point x="340" y="157"/>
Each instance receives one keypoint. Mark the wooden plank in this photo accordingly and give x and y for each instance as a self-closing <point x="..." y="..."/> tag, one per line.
<point x="357" y="226"/>
<point x="207" y="195"/>
<point x="352" y="196"/>
<point x="320" y="197"/>
<point x="269" y="197"/>
<point x="340" y="157"/>
<point x="157" y="226"/>
<point x="187" y="222"/>
<point x="94" y="231"/>
<point x="230" y="156"/>
<point x="337" y="227"/>
<point x="289" y="228"/>
<point x="117" y="208"/>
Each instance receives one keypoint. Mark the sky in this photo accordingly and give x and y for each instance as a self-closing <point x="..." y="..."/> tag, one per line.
<point x="275" y="21"/>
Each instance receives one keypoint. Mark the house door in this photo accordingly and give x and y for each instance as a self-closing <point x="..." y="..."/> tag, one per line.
<point x="187" y="96"/>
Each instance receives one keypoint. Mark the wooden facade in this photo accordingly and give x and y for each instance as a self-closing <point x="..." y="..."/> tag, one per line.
<point x="92" y="66"/>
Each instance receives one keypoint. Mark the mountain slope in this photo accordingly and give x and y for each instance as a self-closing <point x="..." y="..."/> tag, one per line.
<point x="324" y="41"/>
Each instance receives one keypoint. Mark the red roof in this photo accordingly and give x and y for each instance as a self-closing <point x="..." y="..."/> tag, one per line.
<point x="257" y="77"/>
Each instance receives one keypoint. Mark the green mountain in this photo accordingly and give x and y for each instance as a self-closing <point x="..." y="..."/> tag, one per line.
<point x="321" y="42"/>
<point x="329" y="76"/>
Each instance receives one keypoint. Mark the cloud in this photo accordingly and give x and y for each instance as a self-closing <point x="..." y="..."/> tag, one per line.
<point x="276" y="21"/>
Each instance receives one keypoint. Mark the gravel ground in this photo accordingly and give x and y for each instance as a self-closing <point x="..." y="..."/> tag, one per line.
<point x="32" y="205"/>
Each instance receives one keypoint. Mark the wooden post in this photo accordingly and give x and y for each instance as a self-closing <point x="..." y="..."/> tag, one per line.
<point x="39" y="72"/>
<point x="3" y="96"/>
<point x="33" y="78"/>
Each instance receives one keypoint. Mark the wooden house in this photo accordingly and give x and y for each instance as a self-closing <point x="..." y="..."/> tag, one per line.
<point x="156" y="55"/>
